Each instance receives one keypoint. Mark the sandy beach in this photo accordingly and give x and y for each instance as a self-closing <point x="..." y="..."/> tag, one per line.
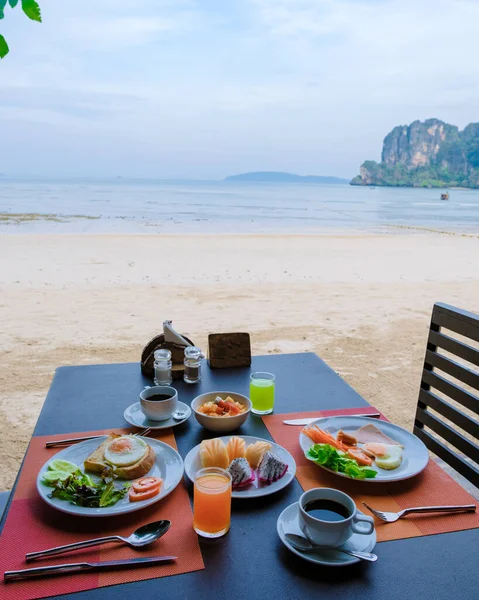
<point x="362" y="303"/>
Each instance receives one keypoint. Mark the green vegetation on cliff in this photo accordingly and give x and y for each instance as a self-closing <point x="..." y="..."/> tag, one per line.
<point x="429" y="154"/>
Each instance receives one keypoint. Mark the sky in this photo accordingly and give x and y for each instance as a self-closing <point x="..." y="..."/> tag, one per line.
<point x="203" y="89"/>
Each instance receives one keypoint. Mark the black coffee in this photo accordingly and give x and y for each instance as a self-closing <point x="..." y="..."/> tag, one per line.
<point x="327" y="510"/>
<point x="159" y="397"/>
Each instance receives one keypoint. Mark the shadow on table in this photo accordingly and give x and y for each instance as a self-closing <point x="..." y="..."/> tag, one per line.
<point x="301" y="568"/>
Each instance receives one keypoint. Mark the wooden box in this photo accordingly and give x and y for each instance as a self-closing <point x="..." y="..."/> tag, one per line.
<point x="227" y="350"/>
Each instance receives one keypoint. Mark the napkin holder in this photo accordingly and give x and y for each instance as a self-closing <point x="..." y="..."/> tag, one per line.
<point x="177" y="349"/>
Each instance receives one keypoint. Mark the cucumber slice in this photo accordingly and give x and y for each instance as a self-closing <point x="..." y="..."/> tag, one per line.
<point x="54" y="476"/>
<point x="62" y="465"/>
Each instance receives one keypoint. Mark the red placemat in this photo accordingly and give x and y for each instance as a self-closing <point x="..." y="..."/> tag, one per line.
<point x="32" y="525"/>
<point x="431" y="487"/>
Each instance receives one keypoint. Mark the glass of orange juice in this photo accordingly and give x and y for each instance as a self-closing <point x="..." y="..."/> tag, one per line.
<point x="212" y="502"/>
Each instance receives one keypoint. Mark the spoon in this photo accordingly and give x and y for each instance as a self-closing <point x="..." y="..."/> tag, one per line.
<point x="179" y="415"/>
<point x="141" y="537"/>
<point x="301" y="543"/>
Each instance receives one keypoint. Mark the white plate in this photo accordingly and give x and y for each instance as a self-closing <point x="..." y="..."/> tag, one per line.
<point x="256" y="489"/>
<point x="168" y="465"/>
<point x="415" y="454"/>
<point x="288" y="522"/>
<point x="134" y="415"/>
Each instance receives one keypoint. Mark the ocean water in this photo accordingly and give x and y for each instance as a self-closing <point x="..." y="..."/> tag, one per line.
<point x="148" y="206"/>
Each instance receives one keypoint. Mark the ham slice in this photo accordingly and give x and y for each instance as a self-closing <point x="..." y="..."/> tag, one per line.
<point x="370" y="433"/>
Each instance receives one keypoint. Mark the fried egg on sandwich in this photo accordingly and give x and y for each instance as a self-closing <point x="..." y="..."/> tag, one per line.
<point x="125" y="450"/>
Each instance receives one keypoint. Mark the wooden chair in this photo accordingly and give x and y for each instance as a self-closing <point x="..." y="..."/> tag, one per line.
<point x="466" y="324"/>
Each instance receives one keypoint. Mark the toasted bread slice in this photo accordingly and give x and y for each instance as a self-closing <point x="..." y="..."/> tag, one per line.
<point x="95" y="463"/>
<point x="138" y="469"/>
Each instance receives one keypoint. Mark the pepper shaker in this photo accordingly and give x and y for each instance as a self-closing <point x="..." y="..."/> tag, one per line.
<point x="192" y="362"/>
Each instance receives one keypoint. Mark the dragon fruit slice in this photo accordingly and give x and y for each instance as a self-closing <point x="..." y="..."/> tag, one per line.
<point x="271" y="468"/>
<point x="241" y="473"/>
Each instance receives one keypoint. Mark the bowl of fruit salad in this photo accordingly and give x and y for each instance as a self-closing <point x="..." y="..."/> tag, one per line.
<point x="221" y="411"/>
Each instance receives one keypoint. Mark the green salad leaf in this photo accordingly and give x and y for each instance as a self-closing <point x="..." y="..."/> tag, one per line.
<point x="75" y="486"/>
<point x="336" y="460"/>
<point x="112" y="494"/>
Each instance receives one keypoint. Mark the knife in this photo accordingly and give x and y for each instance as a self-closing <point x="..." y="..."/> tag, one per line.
<point x="84" y="566"/>
<point x="308" y="421"/>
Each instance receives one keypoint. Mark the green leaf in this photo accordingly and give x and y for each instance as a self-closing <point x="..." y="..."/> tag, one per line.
<point x="32" y="10"/>
<point x="3" y="47"/>
<point x="2" y="8"/>
<point x="13" y="3"/>
<point x="325" y="454"/>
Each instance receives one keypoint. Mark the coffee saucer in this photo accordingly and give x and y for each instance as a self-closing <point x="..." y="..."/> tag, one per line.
<point x="134" y="415"/>
<point x="288" y="522"/>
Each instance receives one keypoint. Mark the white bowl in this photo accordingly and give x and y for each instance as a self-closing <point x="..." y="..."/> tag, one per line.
<point x="221" y="424"/>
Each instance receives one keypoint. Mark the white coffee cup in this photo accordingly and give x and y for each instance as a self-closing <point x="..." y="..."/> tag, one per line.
<point x="332" y="533"/>
<point x="159" y="410"/>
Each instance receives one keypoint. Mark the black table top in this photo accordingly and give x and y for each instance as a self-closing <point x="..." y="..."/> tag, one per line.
<point x="250" y="562"/>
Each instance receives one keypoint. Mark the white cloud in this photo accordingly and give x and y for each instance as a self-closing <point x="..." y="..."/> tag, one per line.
<point x="119" y="32"/>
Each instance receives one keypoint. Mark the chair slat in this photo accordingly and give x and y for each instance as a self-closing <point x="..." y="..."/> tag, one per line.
<point x="467" y="325"/>
<point x="459" y="321"/>
<point x="453" y="368"/>
<point x="450" y="389"/>
<point x="449" y="412"/>
<point x="456" y="462"/>
<point x="453" y="437"/>
<point x="453" y="346"/>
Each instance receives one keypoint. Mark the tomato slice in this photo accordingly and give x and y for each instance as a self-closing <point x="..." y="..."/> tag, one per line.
<point x="139" y="496"/>
<point x="146" y="483"/>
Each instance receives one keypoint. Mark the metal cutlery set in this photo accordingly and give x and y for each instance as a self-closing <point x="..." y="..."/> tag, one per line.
<point x="140" y="538"/>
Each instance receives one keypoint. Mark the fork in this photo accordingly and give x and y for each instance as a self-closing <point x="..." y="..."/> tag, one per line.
<point x="392" y="517"/>
<point x="68" y="442"/>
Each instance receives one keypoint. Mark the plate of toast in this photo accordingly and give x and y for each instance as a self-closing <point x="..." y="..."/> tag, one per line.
<point x="129" y="458"/>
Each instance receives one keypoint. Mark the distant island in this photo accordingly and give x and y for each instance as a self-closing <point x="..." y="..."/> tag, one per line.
<point x="279" y="177"/>
<point x="429" y="154"/>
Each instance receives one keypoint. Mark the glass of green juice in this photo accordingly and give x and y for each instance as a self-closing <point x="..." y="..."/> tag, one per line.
<point x="261" y="393"/>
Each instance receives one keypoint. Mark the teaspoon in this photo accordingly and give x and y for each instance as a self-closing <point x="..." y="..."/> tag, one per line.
<point x="301" y="543"/>
<point x="179" y="415"/>
<point x="143" y="536"/>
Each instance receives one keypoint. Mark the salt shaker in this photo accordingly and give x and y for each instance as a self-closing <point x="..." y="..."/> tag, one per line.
<point x="162" y="367"/>
<point x="192" y="363"/>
